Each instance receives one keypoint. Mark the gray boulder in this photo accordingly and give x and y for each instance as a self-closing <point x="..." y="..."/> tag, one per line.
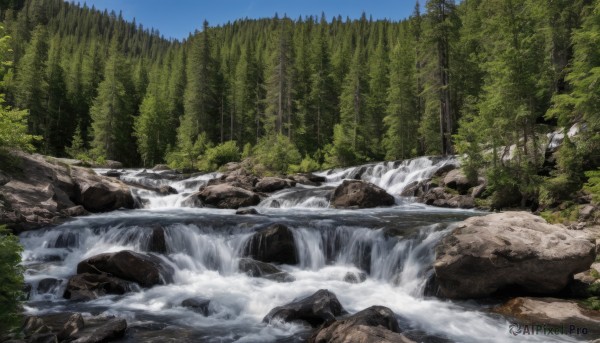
<point x="228" y="196"/>
<point x="273" y="184"/>
<point x="265" y="270"/>
<point x="145" y="269"/>
<point x="272" y="244"/>
<point x="321" y="307"/>
<point x="360" y="194"/>
<point x="83" y="287"/>
<point x="500" y="251"/>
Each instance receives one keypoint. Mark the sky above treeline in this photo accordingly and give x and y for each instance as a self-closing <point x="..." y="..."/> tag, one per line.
<point x="178" y="18"/>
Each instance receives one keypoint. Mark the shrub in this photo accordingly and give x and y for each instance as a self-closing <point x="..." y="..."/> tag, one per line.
<point x="276" y="153"/>
<point x="11" y="280"/>
<point x="220" y="155"/>
<point x="557" y="188"/>
<point x="593" y="185"/>
<point x="307" y="165"/>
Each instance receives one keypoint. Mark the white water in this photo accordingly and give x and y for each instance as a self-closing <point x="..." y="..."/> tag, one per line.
<point x="394" y="245"/>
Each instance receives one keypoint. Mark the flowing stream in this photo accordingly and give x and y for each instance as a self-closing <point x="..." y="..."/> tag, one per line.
<point x="394" y="246"/>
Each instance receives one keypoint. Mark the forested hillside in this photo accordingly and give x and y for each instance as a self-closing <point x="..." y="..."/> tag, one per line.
<point x="485" y="78"/>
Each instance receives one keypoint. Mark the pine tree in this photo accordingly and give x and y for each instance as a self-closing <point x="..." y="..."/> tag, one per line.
<point x="112" y="111"/>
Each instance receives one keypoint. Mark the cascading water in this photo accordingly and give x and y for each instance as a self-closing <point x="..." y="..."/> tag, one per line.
<point x="393" y="247"/>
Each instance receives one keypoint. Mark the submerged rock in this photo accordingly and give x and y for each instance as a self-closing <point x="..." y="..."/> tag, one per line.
<point x="199" y="305"/>
<point x="376" y="324"/>
<point x="321" y="307"/>
<point x="83" y="287"/>
<point x="265" y="270"/>
<point x="352" y="277"/>
<point x="360" y="194"/>
<point x="48" y="285"/>
<point x="272" y="244"/>
<point x="513" y="250"/>
<point x="157" y="243"/>
<point x="228" y="196"/>
<point x="247" y="211"/>
<point x="145" y="269"/>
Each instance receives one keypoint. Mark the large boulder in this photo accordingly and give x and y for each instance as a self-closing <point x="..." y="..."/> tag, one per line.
<point x="273" y="184"/>
<point x="549" y="311"/>
<point x="272" y="244"/>
<point x="83" y="287"/>
<point x="360" y="194"/>
<point x="107" y="332"/>
<point x="228" y="196"/>
<point x="440" y="197"/>
<point x="376" y="324"/>
<point x="98" y="194"/>
<point x="510" y="251"/>
<point x="307" y="179"/>
<point x="321" y="307"/>
<point x="457" y="180"/>
<point x="265" y="270"/>
<point x="200" y="305"/>
<point x="145" y="269"/>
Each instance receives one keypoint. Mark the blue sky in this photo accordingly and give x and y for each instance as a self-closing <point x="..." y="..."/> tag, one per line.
<point x="177" y="18"/>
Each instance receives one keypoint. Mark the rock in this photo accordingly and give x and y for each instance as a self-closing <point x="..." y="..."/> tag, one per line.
<point x="238" y="178"/>
<point x="66" y="239"/>
<point x="98" y="194"/>
<point x="4" y="178"/>
<point x="48" y="285"/>
<point x="351" y="277"/>
<point x="161" y="167"/>
<point x="478" y="191"/>
<point x="272" y="244"/>
<point x="443" y="170"/>
<point x="321" y="307"/>
<point x="71" y="327"/>
<point x="27" y="291"/>
<point x="113" y="173"/>
<point x="75" y="211"/>
<point x="456" y="179"/>
<point x="192" y="200"/>
<point x="587" y="212"/>
<point x="83" y="287"/>
<point x="376" y="324"/>
<point x="227" y="196"/>
<point x="145" y="269"/>
<point x="199" y="305"/>
<point x="246" y="211"/>
<point x="510" y="250"/>
<point x="353" y="193"/>
<point x="43" y="338"/>
<point x="549" y="311"/>
<point x="112" y="330"/>
<point x="273" y="184"/>
<point x="35" y="325"/>
<point x="157" y="243"/>
<point x="308" y="179"/>
<point x="439" y="197"/>
<point x="166" y="190"/>
<point x="260" y="269"/>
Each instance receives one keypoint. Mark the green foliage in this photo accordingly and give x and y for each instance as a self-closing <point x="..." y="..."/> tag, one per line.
<point x="276" y="153"/>
<point x="306" y="165"/>
<point x="13" y="128"/>
<point x="11" y="276"/>
<point x="247" y="152"/>
<point x="221" y="154"/>
<point x="569" y="214"/>
<point x="188" y="152"/>
<point x="593" y="185"/>
<point x="592" y="303"/>
<point x="341" y="152"/>
<point x="556" y="189"/>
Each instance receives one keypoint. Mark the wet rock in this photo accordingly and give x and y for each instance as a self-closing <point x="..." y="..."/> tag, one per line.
<point x="27" y="291"/>
<point x="376" y="324"/>
<point x="513" y="250"/>
<point x="145" y="269"/>
<point x="273" y="184"/>
<point x="66" y="240"/>
<point x="273" y="244"/>
<point x="113" y="173"/>
<point x="307" y="179"/>
<point x="440" y="197"/>
<point x="111" y="330"/>
<point x="193" y="200"/>
<point x="72" y="327"/>
<point x="35" y="325"/>
<point x="83" y="287"/>
<point x="199" y="305"/>
<point x="99" y="194"/>
<point x="443" y="170"/>
<point x="166" y="190"/>
<point x="321" y="307"/>
<point x="456" y="179"/>
<point x="4" y="178"/>
<point x="75" y="211"/>
<point x="48" y="285"/>
<point x="157" y="243"/>
<point x="161" y="167"/>
<point x="43" y="338"/>
<point x="247" y="211"/>
<point x="260" y="269"/>
<point x="549" y="311"/>
<point x="360" y="194"/>
<point x="352" y="277"/>
<point x="227" y="196"/>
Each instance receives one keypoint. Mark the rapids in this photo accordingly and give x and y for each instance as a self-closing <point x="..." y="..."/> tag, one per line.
<point x="394" y="245"/>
